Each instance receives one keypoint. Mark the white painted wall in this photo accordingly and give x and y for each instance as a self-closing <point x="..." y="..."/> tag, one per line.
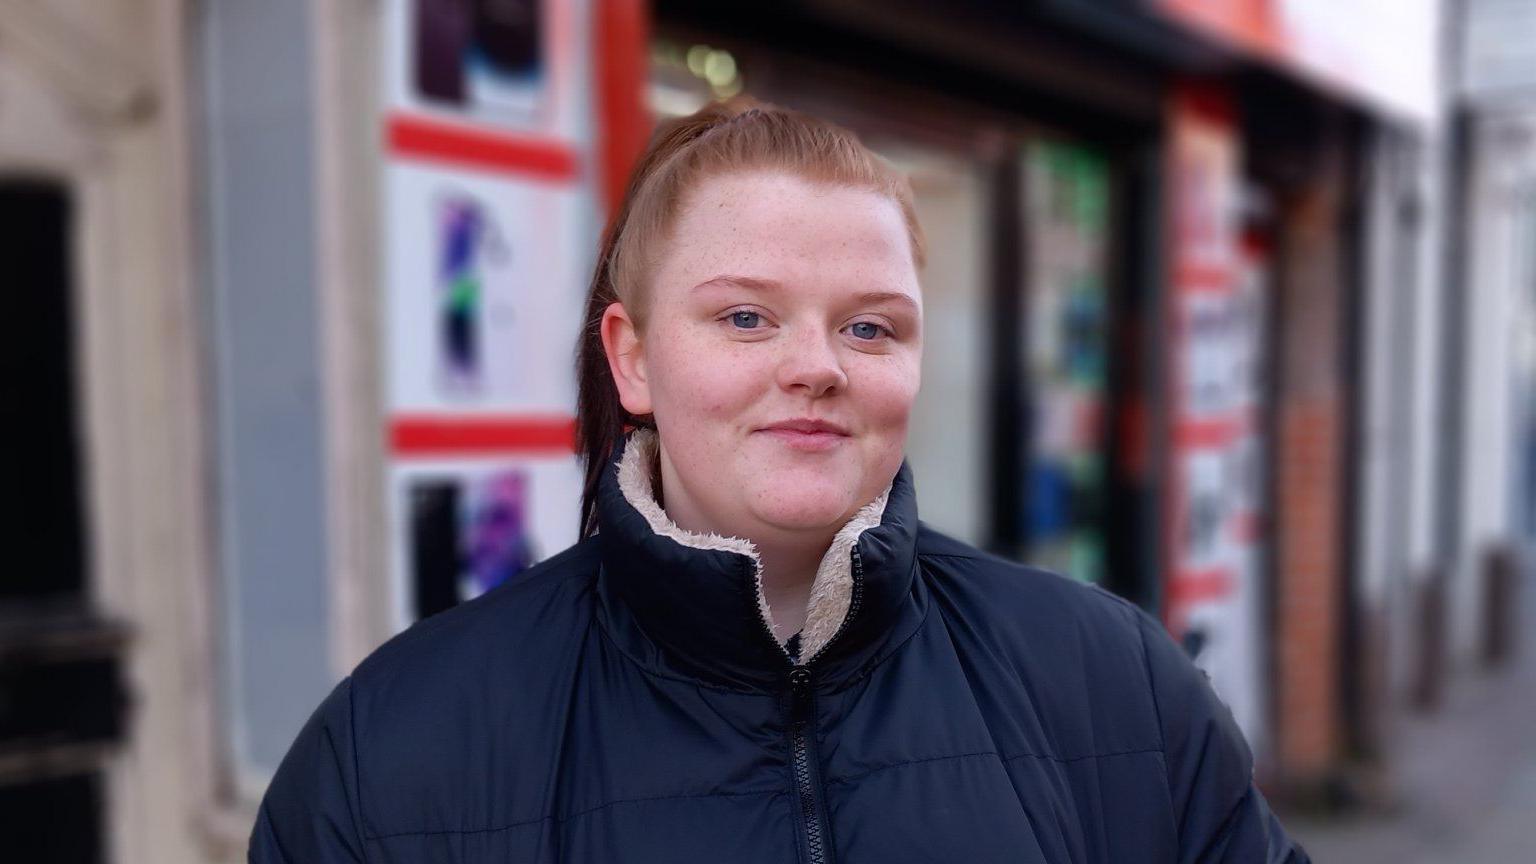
<point x="1503" y="171"/>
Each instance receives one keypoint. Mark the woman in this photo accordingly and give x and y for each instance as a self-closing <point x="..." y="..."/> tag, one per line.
<point x="757" y="653"/>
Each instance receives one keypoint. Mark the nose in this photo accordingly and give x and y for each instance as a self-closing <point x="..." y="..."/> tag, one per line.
<point x="810" y="364"/>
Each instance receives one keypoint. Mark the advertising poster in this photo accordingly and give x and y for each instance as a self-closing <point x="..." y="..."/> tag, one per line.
<point x="481" y="272"/>
<point x="1216" y="299"/>
<point x="490" y="222"/>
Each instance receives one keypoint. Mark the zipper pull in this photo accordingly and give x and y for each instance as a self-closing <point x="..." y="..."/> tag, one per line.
<point x="800" y="696"/>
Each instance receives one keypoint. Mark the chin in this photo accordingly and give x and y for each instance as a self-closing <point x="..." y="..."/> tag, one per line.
<point x="805" y="507"/>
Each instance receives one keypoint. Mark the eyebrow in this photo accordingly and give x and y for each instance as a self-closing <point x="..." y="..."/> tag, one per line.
<point x="771" y="286"/>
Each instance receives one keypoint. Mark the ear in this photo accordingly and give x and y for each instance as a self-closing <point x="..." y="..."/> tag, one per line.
<point x="626" y="358"/>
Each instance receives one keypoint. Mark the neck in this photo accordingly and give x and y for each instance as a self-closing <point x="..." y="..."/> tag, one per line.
<point x="789" y="572"/>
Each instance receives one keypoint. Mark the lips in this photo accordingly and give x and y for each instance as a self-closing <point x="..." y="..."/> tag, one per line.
<point x="807" y="426"/>
<point x="806" y="435"/>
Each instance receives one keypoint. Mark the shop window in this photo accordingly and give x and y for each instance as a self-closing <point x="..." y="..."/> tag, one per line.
<point x="946" y="441"/>
<point x="1066" y="222"/>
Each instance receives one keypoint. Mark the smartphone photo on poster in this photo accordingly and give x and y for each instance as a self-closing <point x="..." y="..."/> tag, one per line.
<point x="484" y="57"/>
<point x="467" y="244"/>
<point x="435" y="559"/>
<point x="496" y="540"/>
<point x="442" y="30"/>
<point x="506" y="67"/>
<point x="468" y="534"/>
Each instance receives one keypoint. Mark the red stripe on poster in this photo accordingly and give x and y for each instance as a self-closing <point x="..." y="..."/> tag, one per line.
<point x="1200" y="586"/>
<point x="419" y="138"/>
<point x="421" y="436"/>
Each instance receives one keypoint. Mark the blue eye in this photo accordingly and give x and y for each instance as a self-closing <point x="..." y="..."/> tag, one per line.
<point x="745" y="320"/>
<point x="867" y="330"/>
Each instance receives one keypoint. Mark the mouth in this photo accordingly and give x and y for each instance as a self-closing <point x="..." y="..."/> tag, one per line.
<point x="807" y="434"/>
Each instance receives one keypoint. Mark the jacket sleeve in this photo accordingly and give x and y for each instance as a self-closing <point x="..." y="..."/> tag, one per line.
<point x="310" y="813"/>
<point x="1220" y="814"/>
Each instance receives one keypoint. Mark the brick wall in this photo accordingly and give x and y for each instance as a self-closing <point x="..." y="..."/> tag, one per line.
<point x="1309" y="489"/>
<point x="1307" y="599"/>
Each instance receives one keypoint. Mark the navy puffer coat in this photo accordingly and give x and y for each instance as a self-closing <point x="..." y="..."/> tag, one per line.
<point x="625" y="701"/>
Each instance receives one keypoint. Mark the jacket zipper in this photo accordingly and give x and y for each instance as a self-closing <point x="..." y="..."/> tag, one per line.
<point x="802" y="736"/>
<point x="802" y="745"/>
<point x="802" y="724"/>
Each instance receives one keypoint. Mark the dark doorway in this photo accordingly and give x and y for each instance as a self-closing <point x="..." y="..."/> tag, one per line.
<point x="61" y="696"/>
<point x="37" y="342"/>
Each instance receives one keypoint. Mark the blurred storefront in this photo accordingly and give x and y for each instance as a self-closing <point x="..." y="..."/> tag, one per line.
<point x="328" y="266"/>
<point x="1331" y="258"/>
<point x="1161" y="247"/>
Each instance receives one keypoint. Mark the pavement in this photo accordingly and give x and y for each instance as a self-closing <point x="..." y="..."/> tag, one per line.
<point x="1464" y="777"/>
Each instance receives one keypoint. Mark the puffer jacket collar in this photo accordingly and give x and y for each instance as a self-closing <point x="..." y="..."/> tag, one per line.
<point x="691" y="604"/>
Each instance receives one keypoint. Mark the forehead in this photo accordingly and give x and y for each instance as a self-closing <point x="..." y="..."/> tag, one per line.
<point x="780" y="227"/>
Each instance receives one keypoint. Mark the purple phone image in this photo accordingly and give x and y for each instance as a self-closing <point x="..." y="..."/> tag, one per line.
<point x="466" y="243"/>
<point x="497" y="544"/>
<point x="459" y="291"/>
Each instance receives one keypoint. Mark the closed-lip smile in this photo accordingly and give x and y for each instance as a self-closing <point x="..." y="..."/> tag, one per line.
<point x="806" y="426"/>
<point x="807" y="435"/>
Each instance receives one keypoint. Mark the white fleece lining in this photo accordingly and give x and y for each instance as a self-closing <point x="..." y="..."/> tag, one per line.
<point x="832" y="590"/>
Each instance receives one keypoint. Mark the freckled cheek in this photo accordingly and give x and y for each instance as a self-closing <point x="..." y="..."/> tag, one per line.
<point x="703" y="378"/>
<point x="888" y="392"/>
<point x="887" y="408"/>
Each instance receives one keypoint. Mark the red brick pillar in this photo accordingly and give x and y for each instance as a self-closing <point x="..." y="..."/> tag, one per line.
<point x="1309" y="487"/>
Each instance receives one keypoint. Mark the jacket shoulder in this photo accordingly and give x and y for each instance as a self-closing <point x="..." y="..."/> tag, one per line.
<point x="981" y="582"/>
<point x="548" y="594"/>
<point x="477" y="679"/>
<point x="1117" y="684"/>
<point x="1026" y="631"/>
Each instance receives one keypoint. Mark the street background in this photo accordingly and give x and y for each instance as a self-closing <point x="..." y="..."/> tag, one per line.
<point x="1230" y="308"/>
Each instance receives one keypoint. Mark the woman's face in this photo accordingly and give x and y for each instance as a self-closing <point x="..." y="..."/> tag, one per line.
<point x="780" y="355"/>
